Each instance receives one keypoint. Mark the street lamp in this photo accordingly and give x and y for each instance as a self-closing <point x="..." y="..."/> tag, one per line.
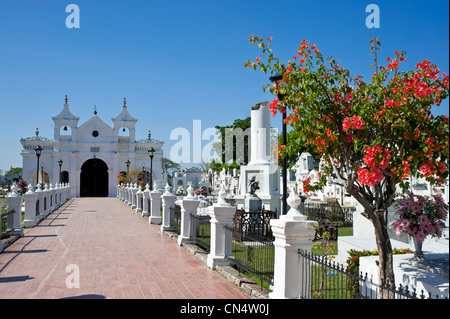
<point x="38" y="150"/>
<point x="277" y="80"/>
<point x="128" y="168"/>
<point x="151" y="153"/>
<point x="60" y="162"/>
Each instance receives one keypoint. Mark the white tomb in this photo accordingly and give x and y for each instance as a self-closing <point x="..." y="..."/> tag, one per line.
<point x="260" y="166"/>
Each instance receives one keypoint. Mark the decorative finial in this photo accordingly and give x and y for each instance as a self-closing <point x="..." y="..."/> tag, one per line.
<point x="37" y="131"/>
<point x="124" y="102"/>
<point x="149" y="135"/>
<point x="66" y="99"/>
<point x="95" y="109"/>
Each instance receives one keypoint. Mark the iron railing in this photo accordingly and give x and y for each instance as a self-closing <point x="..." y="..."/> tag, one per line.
<point x="330" y="216"/>
<point x="253" y="254"/>
<point x="325" y="279"/>
<point x="255" y="224"/>
<point x="176" y="213"/>
<point x="202" y="227"/>
<point x="252" y="244"/>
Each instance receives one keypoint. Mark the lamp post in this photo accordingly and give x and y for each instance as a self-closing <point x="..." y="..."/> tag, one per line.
<point x="277" y="79"/>
<point x="128" y="168"/>
<point x="38" y="150"/>
<point x="60" y="162"/>
<point x="151" y="153"/>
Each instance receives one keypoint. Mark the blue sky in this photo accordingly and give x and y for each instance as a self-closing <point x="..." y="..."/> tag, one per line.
<point x="179" y="61"/>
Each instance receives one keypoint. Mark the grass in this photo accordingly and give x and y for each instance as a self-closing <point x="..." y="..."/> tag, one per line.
<point x="258" y="257"/>
<point x="326" y="284"/>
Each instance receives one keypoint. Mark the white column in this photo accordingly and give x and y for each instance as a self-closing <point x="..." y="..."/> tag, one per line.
<point x="52" y="198"/>
<point x="139" y="200"/>
<point x="168" y="202"/>
<point x="155" y="206"/>
<point x="222" y="214"/>
<point x="133" y="196"/>
<point x="292" y="232"/>
<point x="260" y="134"/>
<point x="56" y="196"/>
<point x="188" y="205"/>
<point x="125" y="193"/>
<point x="146" y="201"/>
<point x="14" y="202"/>
<point x="47" y="194"/>
<point x="40" y="198"/>
<point x="30" y="199"/>
<point x="68" y="191"/>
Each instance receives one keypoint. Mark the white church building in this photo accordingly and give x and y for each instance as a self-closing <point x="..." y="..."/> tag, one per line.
<point x="91" y="155"/>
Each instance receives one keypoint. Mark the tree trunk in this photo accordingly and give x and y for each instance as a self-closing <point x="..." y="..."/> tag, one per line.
<point x="385" y="261"/>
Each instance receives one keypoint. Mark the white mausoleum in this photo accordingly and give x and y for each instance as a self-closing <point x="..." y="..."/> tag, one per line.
<point x="92" y="154"/>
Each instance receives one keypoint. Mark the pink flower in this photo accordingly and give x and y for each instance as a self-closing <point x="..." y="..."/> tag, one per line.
<point x="273" y="106"/>
<point x="377" y="157"/>
<point x="369" y="177"/>
<point x="389" y="103"/>
<point x="353" y="122"/>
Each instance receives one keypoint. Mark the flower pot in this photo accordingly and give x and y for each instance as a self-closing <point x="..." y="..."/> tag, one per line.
<point x="418" y="254"/>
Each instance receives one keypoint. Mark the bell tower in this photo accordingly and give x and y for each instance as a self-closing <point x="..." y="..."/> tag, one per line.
<point x="65" y="121"/>
<point x="125" y="121"/>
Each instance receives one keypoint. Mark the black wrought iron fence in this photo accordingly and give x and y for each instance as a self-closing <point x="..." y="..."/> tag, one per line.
<point x="252" y="243"/>
<point x="329" y="215"/>
<point x="325" y="279"/>
<point x="176" y="213"/>
<point x="253" y="254"/>
<point x="6" y="222"/>
<point x="255" y="224"/>
<point x="202" y="226"/>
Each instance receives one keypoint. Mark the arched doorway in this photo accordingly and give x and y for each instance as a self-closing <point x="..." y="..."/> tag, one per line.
<point x="94" y="178"/>
<point x="64" y="177"/>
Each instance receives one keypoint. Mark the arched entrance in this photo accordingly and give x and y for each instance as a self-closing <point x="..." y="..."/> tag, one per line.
<point x="94" y="178"/>
<point x="65" y="177"/>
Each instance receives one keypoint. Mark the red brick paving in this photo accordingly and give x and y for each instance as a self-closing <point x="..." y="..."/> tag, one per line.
<point x="118" y="253"/>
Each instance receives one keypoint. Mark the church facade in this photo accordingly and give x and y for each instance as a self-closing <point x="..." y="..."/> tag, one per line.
<point x="90" y="157"/>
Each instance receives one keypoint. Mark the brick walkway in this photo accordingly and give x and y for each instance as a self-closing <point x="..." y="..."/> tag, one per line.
<point x="118" y="254"/>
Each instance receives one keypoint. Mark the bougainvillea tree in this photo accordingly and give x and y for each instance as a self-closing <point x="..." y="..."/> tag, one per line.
<point x="372" y="134"/>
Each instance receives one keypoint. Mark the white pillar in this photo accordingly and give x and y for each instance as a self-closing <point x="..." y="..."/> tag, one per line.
<point x="40" y="197"/>
<point x="168" y="202"/>
<point x="155" y="206"/>
<point x="260" y="134"/>
<point x="292" y="232"/>
<point x="146" y="201"/>
<point x="139" y="200"/>
<point x="30" y="199"/>
<point x="47" y="194"/>
<point x="133" y="196"/>
<point x="126" y="193"/>
<point x="188" y="205"/>
<point x="52" y="198"/>
<point x="222" y="214"/>
<point x="56" y="196"/>
<point x="14" y="202"/>
<point x="66" y="192"/>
